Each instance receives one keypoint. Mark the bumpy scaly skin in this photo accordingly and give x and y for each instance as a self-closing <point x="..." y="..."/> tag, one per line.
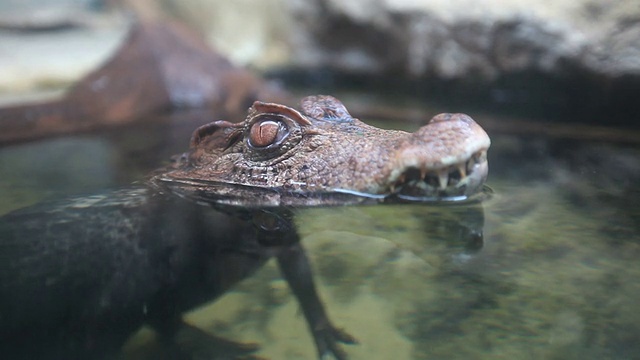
<point x="323" y="150"/>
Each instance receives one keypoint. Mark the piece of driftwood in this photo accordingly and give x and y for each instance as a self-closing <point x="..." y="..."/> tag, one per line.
<point x="161" y="65"/>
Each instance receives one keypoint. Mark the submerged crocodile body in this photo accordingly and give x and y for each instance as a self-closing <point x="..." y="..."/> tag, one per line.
<point x="77" y="277"/>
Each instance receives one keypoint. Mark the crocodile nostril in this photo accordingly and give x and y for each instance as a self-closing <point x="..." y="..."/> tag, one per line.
<point x="444" y="117"/>
<point x="441" y="118"/>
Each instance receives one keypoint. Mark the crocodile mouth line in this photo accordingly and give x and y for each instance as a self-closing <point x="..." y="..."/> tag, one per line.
<point x="462" y="178"/>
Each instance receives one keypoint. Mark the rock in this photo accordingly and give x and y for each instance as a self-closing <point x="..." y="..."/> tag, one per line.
<point x="454" y="40"/>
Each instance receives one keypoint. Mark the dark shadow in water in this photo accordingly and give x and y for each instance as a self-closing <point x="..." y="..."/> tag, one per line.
<point x="461" y="228"/>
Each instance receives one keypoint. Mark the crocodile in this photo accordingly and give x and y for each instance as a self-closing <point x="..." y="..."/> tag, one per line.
<point x="279" y="156"/>
<point x="79" y="276"/>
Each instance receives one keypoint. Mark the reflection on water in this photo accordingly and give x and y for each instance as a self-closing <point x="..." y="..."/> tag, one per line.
<point x="546" y="268"/>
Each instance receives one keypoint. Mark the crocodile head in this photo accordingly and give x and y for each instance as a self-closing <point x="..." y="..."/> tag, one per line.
<point x="323" y="156"/>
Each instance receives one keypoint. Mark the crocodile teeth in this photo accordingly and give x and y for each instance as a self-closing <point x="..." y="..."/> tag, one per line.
<point x="418" y="179"/>
<point x="462" y="170"/>
<point x="443" y="178"/>
<point x="403" y="178"/>
<point x="423" y="173"/>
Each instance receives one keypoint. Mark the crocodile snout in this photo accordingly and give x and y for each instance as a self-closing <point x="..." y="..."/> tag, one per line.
<point x="446" y="157"/>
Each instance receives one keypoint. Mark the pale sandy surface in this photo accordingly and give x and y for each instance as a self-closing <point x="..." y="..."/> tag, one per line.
<point x="52" y="60"/>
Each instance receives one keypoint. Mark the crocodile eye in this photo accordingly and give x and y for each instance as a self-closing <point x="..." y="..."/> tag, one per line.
<point x="268" y="136"/>
<point x="265" y="133"/>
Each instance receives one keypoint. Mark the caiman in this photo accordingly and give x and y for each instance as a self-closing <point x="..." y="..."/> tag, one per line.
<point x="78" y="276"/>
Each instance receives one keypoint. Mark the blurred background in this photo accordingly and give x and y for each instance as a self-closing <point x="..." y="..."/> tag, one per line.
<point x="561" y="60"/>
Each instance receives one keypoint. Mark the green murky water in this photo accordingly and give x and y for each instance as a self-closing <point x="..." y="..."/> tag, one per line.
<point x="554" y="277"/>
